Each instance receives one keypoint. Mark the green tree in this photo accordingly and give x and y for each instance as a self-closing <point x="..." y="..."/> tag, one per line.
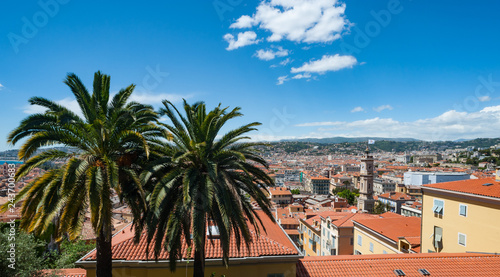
<point x="71" y="252"/>
<point x="28" y="255"/>
<point x="381" y="208"/>
<point x="111" y="142"/>
<point x="349" y="195"/>
<point x="203" y="179"/>
<point x="295" y="191"/>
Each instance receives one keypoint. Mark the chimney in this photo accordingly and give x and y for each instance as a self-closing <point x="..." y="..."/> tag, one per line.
<point x="497" y="174"/>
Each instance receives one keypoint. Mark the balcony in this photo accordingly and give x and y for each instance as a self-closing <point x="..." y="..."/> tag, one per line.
<point x="300" y="230"/>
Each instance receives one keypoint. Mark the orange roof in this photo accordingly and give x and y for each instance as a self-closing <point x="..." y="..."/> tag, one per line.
<point x="67" y="272"/>
<point x="272" y="242"/>
<point x="437" y="264"/>
<point x="390" y="214"/>
<point x="397" y="196"/>
<point x="472" y="186"/>
<point x="394" y="227"/>
<point x="279" y="191"/>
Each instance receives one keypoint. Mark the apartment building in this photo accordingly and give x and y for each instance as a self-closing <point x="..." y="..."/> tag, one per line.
<point x="390" y="235"/>
<point x="461" y="216"/>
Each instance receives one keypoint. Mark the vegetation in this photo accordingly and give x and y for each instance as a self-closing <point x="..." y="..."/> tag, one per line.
<point x="295" y="191"/>
<point x="199" y="179"/>
<point x="349" y="195"/>
<point x="112" y="140"/>
<point x="381" y="208"/>
<point x="28" y="251"/>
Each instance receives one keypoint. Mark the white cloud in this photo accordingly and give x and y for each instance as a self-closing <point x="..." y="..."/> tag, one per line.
<point x="383" y="107"/>
<point x="286" y="61"/>
<point x="282" y="79"/>
<point x="450" y="125"/>
<point x="244" y="21"/>
<point x="244" y="39"/>
<point x="327" y="63"/>
<point x="298" y="20"/>
<point x="269" y="54"/>
<point x="357" y="109"/>
<point x="302" y="76"/>
<point x="1" y="86"/>
<point x="485" y="98"/>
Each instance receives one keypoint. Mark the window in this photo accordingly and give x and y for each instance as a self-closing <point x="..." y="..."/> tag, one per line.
<point x="384" y="252"/>
<point x="438" y="237"/>
<point x="462" y="239"/>
<point x="371" y="247"/>
<point x="438" y="207"/>
<point x="463" y="210"/>
<point x="360" y="240"/>
<point x="357" y="253"/>
<point x="352" y="241"/>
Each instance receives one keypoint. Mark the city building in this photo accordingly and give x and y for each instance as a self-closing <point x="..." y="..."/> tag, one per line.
<point x="422" y="178"/>
<point x="280" y="195"/>
<point x="381" y="186"/>
<point x="411" y="208"/>
<point x="337" y="232"/>
<point x="271" y="253"/>
<point x="310" y="235"/>
<point x="365" y="200"/>
<point x="461" y="216"/>
<point x="317" y="184"/>
<point x="390" y="235"/>
<point x="395" y="200"/>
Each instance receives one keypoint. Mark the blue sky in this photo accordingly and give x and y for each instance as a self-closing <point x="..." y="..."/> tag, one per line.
<point x="317" y="68"/>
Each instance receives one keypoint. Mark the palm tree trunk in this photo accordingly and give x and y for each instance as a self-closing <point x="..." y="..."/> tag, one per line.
<point x="199" y="258"/>
<point x="104" y="257"/>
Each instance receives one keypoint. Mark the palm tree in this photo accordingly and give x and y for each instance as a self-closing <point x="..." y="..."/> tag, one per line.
<point x="111" y="142"/>
<point x="203" y="180"/>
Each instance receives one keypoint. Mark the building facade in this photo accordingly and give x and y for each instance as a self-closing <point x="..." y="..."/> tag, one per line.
<point x="461" y="216"/>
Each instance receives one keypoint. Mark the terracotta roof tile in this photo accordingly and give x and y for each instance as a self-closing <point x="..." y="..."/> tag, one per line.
<point x="437" y="264"/>
<point x="272" y="242"/>
<point x="393" y="227"/>
<point x="472" y="186"/>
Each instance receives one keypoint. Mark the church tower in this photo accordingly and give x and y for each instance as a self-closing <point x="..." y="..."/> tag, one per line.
<point x="365" y="200"/>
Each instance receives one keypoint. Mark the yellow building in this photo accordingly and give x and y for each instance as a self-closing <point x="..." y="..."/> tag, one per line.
<point x="310" y="235"/>
<point x="390" y="235"/>
<point x="337" y="232"/>
<point x="271" y="254"/>
<point x="461" y="216"/>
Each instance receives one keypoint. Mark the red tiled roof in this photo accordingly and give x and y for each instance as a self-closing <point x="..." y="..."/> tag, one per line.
<point x="394" y="227"/>
<point x="472" y="186"/>
<point x="397" y="196"/>
<point x="390" y="214"/>
<point x="67" y="272"/>
<point x="272" y="242"/>
<point x="437" y="264"/>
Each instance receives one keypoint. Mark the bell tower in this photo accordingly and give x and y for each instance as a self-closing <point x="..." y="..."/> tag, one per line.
<point x="365" y="200"/>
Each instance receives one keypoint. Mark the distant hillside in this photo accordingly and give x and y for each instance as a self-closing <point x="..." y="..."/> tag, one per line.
<point x="346" y="139"/>
<point x="356" y="145"/>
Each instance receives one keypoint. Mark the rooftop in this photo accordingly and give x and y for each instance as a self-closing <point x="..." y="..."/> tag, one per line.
<point x="437" y="264"/>
<point x="472" y="186"/>
<point x="394" y="227"/>
<point x="272" y="242"/>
